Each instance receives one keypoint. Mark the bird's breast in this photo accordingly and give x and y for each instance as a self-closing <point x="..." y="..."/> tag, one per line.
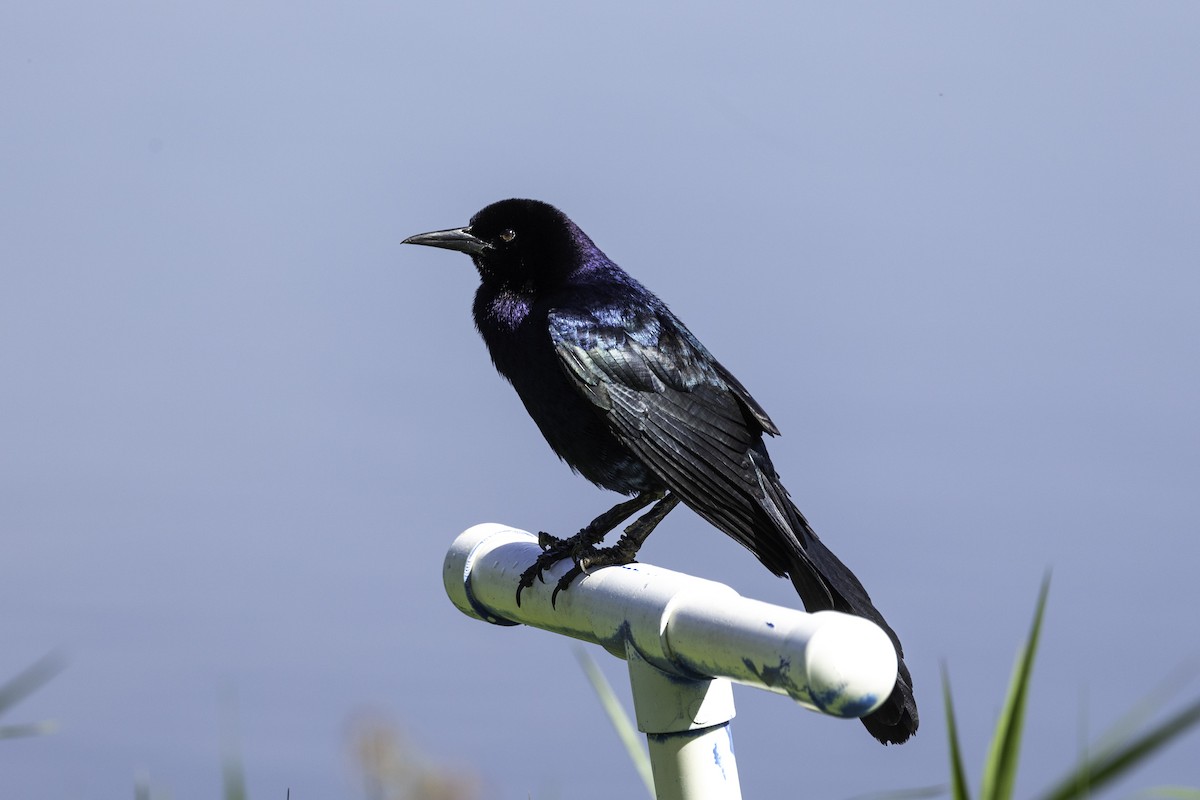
<point x="518" y="339"/>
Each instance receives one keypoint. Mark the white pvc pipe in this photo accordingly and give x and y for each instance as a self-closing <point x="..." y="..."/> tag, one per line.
<point x="686" y="723"/>
<point x="685" y="626"/>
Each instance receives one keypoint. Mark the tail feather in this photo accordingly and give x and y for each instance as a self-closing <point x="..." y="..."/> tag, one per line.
<point x="825" y="583"/>
<point x="758" y="513"/>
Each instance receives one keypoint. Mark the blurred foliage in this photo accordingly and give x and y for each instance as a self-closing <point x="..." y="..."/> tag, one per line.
<point x="25" y="683"/>
<point x="389" y="767"/>
<point x="392" y="769"/>
<point x="1115" y="754"/>
<point x="627" y="732"/>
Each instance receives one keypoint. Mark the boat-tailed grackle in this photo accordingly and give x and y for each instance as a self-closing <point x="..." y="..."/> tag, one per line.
<point x="631" y="400"/>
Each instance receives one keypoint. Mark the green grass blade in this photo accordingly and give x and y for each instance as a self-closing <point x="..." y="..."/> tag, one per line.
<point x="233" y="778"/>
<point x="233" y="770"/>
<point x="1000" y="771"/>
<point x="959" y="789"/>
<point x="1114" y="763"/>
<point x="1172" y="793"/>
<point x="28" y="729"/>
<point x="1144" y="710"/>
<point x="625" y="728"/>
<point x="29" y="680"/>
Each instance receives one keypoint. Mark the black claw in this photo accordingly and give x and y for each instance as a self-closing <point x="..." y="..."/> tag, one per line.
<point x="563" y="582"/>
<point x="522" y="586"/>
<point x="527" y="578"/>
<point x="554" y="550"/>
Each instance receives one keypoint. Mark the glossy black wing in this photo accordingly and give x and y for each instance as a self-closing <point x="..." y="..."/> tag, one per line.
<point x="679" y="411"/>
<point x="684" y="416"/>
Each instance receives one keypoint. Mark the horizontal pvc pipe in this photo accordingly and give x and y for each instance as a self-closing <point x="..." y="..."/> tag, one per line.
<point x="682" y="625"/>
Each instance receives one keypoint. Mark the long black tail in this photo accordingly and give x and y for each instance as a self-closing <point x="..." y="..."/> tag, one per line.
<point x="823" y="583"/>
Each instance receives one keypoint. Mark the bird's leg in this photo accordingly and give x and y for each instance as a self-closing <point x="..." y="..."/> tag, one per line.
<point x="626" y="548"/>
<point x="594" y="532"/>
<point x="624" y="551"/>
<point x="583" y="542"/>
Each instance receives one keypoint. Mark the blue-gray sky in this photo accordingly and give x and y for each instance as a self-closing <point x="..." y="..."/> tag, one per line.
<point x="951" y="249"/>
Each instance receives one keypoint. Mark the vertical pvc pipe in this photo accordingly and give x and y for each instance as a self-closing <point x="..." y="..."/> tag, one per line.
<point x="686" y="723"/>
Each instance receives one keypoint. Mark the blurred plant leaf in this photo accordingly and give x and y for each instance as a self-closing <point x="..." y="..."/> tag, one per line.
<point x="23" y="684"/>
<point x="392" y="769"/>
<point x="233" y="770"/>
<point x="1129" y="722"/>
<point x="1116" y="753"/>
<point x="626" y="730"/>
<point x="1115" y="761"/>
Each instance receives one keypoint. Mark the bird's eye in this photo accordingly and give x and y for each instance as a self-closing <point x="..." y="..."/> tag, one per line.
<point x="508" y="234"/>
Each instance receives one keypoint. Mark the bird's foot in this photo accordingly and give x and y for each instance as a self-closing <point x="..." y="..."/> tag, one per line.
<point x="582" y="550"/>
<point x="618" y="555"/>
<point x="582" y="547"/>
<point x="554" y="550"/>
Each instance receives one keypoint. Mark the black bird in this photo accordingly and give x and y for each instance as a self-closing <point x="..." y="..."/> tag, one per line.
<point x="631" y="400"/>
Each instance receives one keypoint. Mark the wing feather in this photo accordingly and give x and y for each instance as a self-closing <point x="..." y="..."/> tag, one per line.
<point x="671" y="404"/>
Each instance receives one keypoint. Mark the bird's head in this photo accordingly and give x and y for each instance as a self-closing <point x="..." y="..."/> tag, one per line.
<point x="518" y="243"/>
